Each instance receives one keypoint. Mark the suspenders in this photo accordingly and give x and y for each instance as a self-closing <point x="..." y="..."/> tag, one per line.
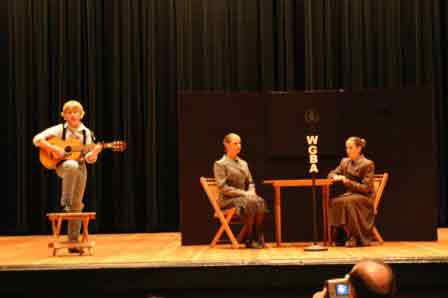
<point x="64" y="131"/>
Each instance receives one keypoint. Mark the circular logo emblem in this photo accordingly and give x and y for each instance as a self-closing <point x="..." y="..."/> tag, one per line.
<point x="311" y="116"/>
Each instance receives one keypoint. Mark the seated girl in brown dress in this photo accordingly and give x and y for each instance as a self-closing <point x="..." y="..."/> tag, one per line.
<point x="352" y="212"/>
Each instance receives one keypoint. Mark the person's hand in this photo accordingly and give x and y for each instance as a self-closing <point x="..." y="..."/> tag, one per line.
<point x="320" y="294"/>
<point x="92" y="157"/>
<point x="97" y="149"/>
<point x="341" y="178"/>
<point x="57" y="153"/>
<point x="251" y="192"/>
<point x="338" y="178"/>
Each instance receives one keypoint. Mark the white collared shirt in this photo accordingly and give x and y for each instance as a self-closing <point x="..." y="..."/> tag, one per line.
<point x="56" y="131"/>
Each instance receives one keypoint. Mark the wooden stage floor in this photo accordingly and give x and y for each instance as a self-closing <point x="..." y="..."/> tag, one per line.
<point x="165" y="250"/>
<point x="125" y="264"/>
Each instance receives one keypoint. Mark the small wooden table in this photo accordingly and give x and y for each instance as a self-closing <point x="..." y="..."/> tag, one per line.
<point x="56" y="224"/>
<point x="278" y="184"/>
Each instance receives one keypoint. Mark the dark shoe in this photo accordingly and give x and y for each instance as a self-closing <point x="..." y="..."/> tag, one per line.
<point x="338" y="235"/>
<point x="65" y="208"/>
<point x="352" y="242"/>
<point x="261" y="240"/>
<point x="74" y="250"/>
<point x="339" y="243"/>
<point x="255" y="244"/>
<point x="367" y="243"/>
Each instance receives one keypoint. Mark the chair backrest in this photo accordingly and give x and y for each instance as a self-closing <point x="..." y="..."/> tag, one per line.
<point x="211" y="189"/>
<point x="379" y="183"/>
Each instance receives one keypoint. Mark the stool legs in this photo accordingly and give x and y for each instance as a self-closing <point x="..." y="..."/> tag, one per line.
<point x="56" y="225"/>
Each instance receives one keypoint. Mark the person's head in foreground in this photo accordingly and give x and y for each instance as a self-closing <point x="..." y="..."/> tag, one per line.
<point x="367" y="279"/>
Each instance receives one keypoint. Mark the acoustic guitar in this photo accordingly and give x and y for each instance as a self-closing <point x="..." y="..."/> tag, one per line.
<point x="74" y="150"/>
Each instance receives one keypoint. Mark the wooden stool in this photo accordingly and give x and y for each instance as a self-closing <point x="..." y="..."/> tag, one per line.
<point x="56" y="224"/>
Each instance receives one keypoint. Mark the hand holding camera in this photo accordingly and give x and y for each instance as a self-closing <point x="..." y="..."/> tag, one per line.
<point x="338" y="288"/>
<point x="368" y="278"/>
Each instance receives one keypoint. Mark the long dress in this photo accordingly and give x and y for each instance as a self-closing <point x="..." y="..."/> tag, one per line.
<point x="354" y="208"/>
<point x="237" y="188"/>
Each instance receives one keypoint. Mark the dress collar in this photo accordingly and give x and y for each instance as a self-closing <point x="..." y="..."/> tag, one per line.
<point x="358" y="160"/>
<point x="237" y="159"/>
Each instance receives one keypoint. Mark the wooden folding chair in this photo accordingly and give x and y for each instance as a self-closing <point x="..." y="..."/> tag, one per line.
<point x="226" y="217"/>
<point x="379" y="183"/>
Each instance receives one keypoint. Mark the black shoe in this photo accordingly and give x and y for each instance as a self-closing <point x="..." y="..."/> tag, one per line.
<point x="352" y="242"/>
<point x="365" y="243"/>
<point x="339" y="236"/>
<point x="75" y="250"/>
<point x="65" y="208"/>
<point x="254" y="244"/>
<point x="248" y="243"/>
<point x="339" y="243"/>
<point x="261" y="240"/>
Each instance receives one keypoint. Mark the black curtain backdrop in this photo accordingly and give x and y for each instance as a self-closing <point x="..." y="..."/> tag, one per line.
<point x="125" y="60"/>
<point x="380" y="44"/>
<point x="119" y="59"/>
<point x="240" y="45"/>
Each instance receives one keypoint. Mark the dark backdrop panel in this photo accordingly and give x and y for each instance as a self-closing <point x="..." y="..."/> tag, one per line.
<point x="398" y="125"/>
<point x="286" y="133"/>
<point x="203" y="120"/>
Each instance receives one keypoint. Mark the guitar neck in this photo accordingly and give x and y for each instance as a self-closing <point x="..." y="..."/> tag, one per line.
<point x="76" y="147"/>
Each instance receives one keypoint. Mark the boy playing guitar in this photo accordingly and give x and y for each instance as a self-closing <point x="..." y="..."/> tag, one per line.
<point x="72" y="170"/>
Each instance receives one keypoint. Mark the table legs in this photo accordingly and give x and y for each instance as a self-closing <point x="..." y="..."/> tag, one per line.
<point x="278" y="216"/>
<point x="325" y="207"/>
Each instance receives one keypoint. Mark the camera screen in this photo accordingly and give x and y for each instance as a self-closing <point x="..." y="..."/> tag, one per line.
<point x="342" y="289"/>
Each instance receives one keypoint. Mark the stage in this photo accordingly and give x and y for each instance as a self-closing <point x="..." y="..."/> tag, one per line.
<point x="138" y="264"/>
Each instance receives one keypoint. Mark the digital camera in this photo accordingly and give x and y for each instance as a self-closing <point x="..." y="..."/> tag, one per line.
<point x="338" y="288"/>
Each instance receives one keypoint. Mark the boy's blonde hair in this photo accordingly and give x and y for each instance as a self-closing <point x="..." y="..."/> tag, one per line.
<point x="73" y="104"/>
<point x="229" y="137"/>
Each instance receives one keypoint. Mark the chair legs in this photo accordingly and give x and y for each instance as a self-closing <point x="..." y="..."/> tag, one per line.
<point x="377" y="235"/>
<point x="225" y="227"/>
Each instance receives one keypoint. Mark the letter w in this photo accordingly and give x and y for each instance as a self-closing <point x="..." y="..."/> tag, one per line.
<point x="312" y="140"/>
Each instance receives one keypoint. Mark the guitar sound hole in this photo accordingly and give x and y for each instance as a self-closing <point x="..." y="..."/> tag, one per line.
<point x="68" y="149"/>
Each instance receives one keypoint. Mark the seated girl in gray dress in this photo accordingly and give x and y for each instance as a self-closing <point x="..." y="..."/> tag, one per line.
<point x="352" y="212"/>
<point x="237" y="189"/>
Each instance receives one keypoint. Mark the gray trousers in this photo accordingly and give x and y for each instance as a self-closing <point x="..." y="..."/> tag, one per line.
<point x="74" y="177"/>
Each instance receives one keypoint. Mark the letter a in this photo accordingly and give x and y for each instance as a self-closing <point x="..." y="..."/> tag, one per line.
<point x="313" y="169"/>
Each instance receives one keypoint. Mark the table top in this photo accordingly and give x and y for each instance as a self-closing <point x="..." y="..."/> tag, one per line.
<point x="298" y="182"/>
<point x="75" y="215"/>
